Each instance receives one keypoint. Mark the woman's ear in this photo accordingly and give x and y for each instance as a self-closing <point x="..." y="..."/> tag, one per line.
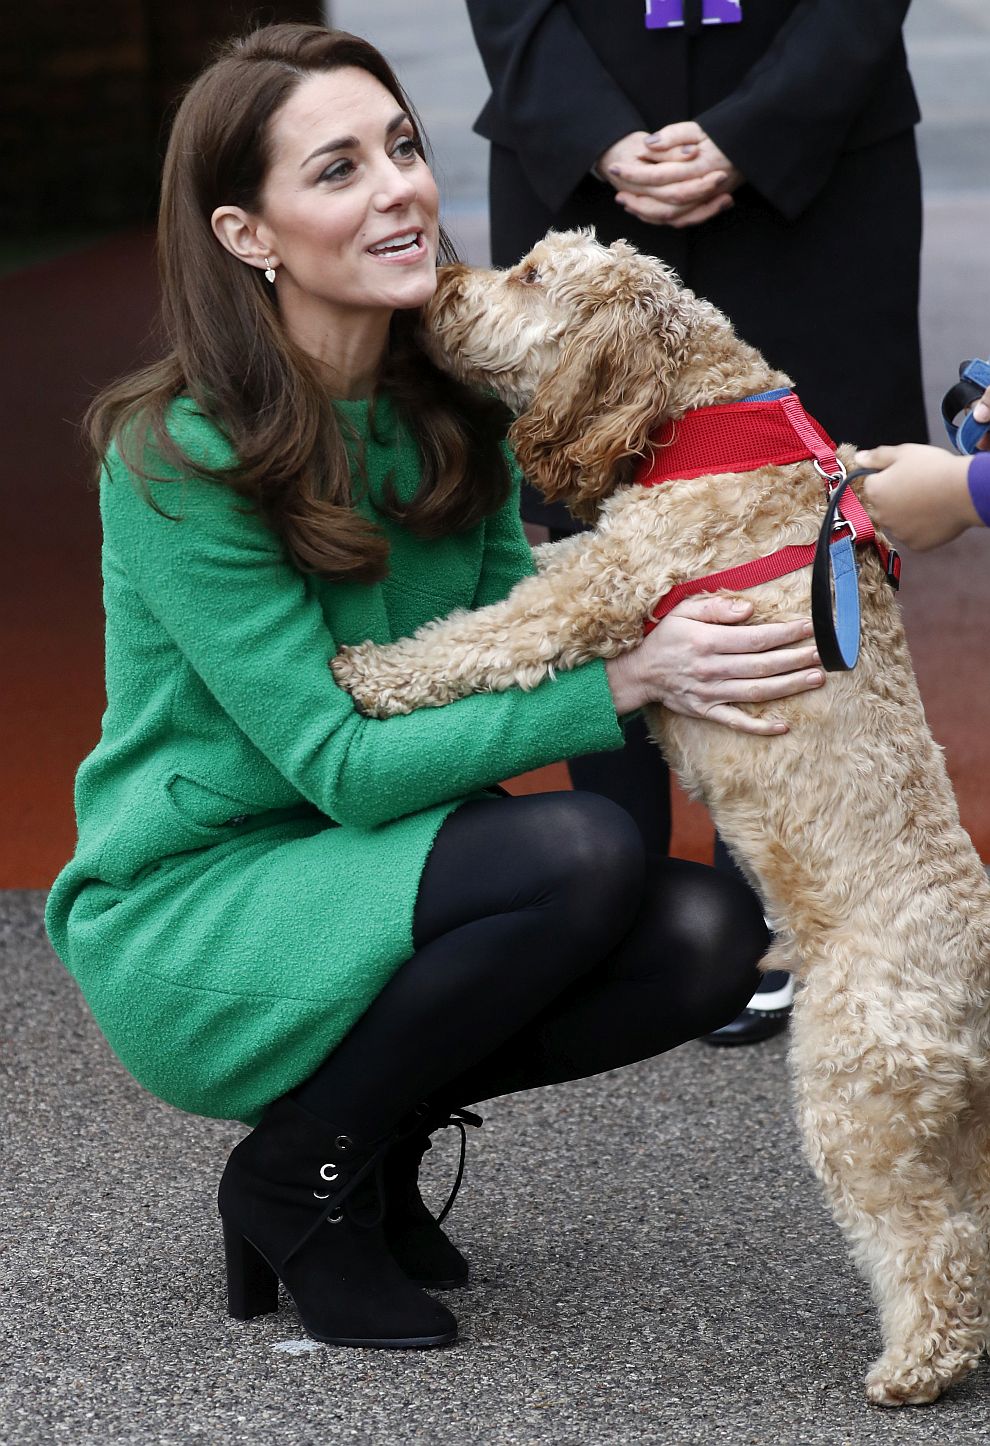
<point x="606" y="395"/>
<point x="238" y="232"/>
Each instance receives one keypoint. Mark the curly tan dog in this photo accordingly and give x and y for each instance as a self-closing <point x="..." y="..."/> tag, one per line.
<point x="846" y="824"/>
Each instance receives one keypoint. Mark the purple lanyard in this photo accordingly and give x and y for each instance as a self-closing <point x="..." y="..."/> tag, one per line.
<point x="670" y="14"/>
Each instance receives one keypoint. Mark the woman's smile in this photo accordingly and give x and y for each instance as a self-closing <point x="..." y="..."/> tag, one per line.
<point x="406" y="247"/>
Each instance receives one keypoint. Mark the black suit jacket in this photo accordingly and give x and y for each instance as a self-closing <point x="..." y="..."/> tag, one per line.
<point x="783" y="94"/>
<point x="817" y="262"/>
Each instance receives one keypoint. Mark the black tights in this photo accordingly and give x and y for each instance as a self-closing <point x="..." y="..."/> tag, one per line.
<point x="548" y="947"/>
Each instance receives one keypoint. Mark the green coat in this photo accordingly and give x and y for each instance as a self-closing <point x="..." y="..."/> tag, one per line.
<point x="250" y="846"/>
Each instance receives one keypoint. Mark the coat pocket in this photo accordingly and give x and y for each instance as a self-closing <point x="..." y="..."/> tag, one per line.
<point x="210" y="812"/>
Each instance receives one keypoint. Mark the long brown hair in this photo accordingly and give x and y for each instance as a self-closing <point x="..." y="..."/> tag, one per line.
<point x="228" y="350"/>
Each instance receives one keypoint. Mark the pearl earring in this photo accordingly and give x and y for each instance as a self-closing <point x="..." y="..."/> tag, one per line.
<point x="269" y="270"/>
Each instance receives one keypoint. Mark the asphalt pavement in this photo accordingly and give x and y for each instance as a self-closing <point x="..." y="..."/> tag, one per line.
<point x="652" y="1260"/>
<point x="651" y="1263"/>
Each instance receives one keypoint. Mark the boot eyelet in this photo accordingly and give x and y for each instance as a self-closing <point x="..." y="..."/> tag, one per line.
<point x="325" y="1168"/>
<point x="343" y="1143"/>
<point x="335" y="1217"/>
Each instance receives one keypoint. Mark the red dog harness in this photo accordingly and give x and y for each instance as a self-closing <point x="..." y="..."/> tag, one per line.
<point x="769" y="429"/>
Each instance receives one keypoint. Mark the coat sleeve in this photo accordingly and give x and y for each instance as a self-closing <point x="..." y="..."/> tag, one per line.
<point x="978" y="479"/>
<point x="558" y="104"/>
<point x="252" y="628"/>
<point x="786" y="123"/>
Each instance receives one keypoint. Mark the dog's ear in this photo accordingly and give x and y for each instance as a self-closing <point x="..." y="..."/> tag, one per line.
<point x="608" y="392"/>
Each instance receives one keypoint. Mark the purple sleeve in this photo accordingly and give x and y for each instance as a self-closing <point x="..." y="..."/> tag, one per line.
<point x="978" y="478"/>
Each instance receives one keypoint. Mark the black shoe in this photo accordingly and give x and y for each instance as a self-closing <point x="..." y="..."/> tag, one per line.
<point x="765" y="1015"/>
<point x="413" y="1235"/>
<point x="302" y="1203"/>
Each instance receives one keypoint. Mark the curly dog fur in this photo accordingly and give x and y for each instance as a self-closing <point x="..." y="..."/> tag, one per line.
<point x="846" y="825"/>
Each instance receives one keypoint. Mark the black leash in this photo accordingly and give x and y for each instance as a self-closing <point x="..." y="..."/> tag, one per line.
<point x="835" y="612"/>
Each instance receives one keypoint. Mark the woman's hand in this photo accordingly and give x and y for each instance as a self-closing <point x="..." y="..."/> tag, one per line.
<point x="677" y="177"/>
<point x="920" y="494"/>
<point x="703" y="660"/>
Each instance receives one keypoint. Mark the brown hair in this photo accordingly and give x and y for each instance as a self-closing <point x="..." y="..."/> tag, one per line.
<point x="229" y="351"/>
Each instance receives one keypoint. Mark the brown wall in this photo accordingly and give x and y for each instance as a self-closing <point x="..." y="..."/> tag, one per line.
<point x="87" y="87"/>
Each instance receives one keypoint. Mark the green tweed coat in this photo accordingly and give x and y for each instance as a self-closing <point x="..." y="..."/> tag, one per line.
<point x="250" y="846"/>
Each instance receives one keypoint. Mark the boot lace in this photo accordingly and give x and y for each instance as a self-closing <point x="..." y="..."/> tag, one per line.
<point x="332" y="1211"/>
<point x="459" y="1119"/>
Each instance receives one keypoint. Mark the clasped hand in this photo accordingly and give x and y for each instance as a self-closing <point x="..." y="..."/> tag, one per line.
<point x="704" y="659"/>
<point x="675" y="177"/>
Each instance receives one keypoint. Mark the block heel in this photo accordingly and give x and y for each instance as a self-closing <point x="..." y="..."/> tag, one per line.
<point x="302" y="1203"/>
<point x="252" y="1285"/>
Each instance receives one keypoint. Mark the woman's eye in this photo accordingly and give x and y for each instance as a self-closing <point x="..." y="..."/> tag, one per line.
<point x="339" y="171"/>
<point x="406" y="149"/>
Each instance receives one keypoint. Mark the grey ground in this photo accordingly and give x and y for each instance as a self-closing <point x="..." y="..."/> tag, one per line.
<point x="652" y="1262"/>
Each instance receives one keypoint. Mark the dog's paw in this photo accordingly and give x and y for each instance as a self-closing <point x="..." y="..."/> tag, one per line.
<point x="355" y="672"/>
<point x="897" y="1381"/>
<point x="345" y="669"/>
<point x="893" y="1391"/>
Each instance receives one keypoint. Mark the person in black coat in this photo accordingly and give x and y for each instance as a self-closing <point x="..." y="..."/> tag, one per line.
<point x="813" y="253"/>
<point x="772" y="163"/>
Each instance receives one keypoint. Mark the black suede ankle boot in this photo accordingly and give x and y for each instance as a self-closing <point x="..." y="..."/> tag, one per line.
<point x="302" y="1203"/>
<point x="413" y="1234"/>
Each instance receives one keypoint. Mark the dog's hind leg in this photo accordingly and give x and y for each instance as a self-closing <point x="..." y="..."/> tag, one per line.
<point x="972" y="1163"/>
<point x="878" y="1124"/>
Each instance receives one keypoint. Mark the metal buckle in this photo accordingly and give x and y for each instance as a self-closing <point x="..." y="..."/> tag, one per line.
<point x="833" y="483"/>
<point x="894" y="568"/>
<point x="832" y="478"/>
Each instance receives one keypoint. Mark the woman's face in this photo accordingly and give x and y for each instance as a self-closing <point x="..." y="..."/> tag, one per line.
<point x="349" y="209"/>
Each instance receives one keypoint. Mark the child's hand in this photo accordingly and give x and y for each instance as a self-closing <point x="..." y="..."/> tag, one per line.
<point x="982" y="412"/>
<point x="920" y="494"/>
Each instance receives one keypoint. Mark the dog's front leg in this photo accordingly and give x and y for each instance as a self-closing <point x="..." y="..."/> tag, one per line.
<point x="576" y="609"/>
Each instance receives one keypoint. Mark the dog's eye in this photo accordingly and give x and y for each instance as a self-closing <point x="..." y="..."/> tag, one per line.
<point x="530" y="277"/>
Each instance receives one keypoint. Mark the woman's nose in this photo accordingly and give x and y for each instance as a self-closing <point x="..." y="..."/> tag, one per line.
<point x="395" y="188"/>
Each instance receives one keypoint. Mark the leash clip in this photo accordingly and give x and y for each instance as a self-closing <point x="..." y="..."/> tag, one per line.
<point x="834" y="479"/>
